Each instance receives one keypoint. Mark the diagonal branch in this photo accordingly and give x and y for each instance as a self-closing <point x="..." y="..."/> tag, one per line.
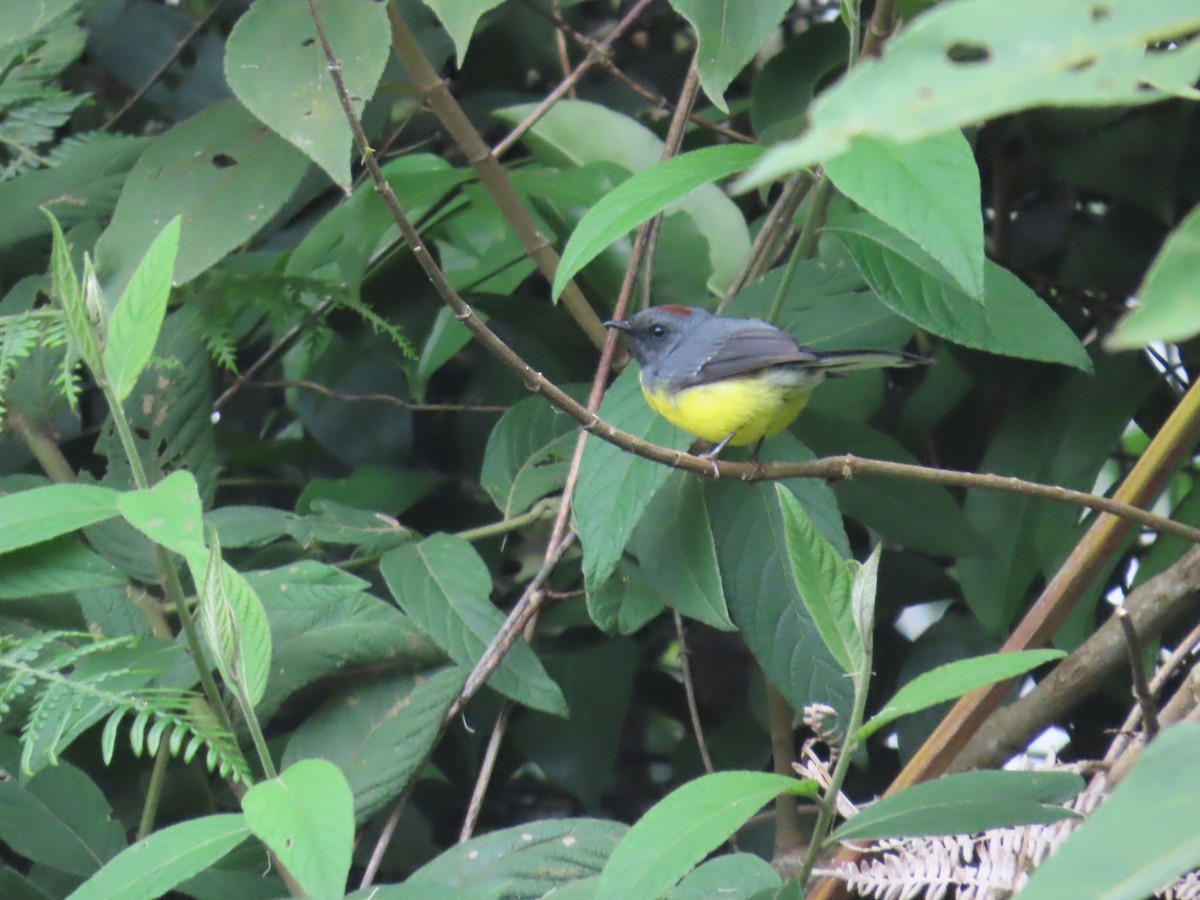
<point x="488" y="169"/>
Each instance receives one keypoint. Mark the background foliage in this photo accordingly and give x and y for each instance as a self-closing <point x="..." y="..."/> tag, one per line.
<point x="265" y="502"/>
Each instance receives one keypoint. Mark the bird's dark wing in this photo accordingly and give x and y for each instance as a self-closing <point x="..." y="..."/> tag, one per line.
<point x="739" y="347"/>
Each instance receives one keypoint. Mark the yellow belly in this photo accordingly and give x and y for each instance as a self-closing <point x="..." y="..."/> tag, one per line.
<point x="749" y="408"/>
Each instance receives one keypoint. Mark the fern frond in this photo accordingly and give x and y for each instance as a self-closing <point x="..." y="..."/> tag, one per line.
<point x="39" y="328"/>
<point x="351" y="301"/>
<point x="71" y="700"/>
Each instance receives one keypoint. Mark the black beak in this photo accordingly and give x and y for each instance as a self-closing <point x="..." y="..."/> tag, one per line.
<point x="619" y="324"/>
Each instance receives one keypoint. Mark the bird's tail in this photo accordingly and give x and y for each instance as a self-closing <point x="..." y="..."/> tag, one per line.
<point x="835" y="362"/>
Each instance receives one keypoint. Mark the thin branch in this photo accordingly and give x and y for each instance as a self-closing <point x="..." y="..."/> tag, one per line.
<point x="1156" y="605"/>
<point x="272" y="353"/>
<point x="777" y="223"/>
<point x="1176" y="437"/>
<point x="487" y="168"/>
<point x="879" y="28"/>
<point x="385" y="837"/>
<point x="596" y="52"/>
<point x="789" y="830"/>
<point x="42" y="445"/>
<point x="166" y="64"/>
<point x="485" y="772"/>
<point x="663" y="103"/>
<point x="1141" y="690"/>
<point x="378" y="398"/>
<point x="606" y="61"/>
<point x="689" y="690"/>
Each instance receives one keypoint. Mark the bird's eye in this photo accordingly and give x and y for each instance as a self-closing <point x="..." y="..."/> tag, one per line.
<point x="657" y="331"/>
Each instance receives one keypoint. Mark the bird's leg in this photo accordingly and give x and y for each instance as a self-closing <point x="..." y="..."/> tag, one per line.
<point x="754" y="455"/>
<point x="711" y="455"/>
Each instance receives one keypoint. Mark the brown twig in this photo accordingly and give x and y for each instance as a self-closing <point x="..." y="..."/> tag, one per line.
<point x="272" y="353"/>
<point x="645" y="93"/>
<point x="789" y="830"/>
<point x="42" y="445"/>
<point x="778" y="222"/>
<point x="1141" y="690"/>
<point x="166" y="64"/>
<point x="379" y="398"/>
<point x="487" y="168"/>
<point x="485" y="772"/>
<point x="689" y="690"/>
<point x="1153" y="606"/>
<point x="1177" y="435"/>
<point x="526" y="610"/>
<point x="596" y="53"/>
<point x="879" y="28"/>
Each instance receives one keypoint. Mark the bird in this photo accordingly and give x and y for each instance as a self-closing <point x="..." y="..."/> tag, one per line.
<point x="733" y="381"/>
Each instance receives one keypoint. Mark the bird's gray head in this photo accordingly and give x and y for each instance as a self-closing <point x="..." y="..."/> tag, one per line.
<point x="653" y="333"/>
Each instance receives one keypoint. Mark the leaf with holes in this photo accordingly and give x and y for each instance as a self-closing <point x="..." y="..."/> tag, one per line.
<point x="222" y="171"/>
<point x="277" y="67"/>
<point x="306" y="817"/>
<point x="973" y="60"/>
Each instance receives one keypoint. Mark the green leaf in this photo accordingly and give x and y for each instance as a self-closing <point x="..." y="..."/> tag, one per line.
<point x="953" y="680"/>
<point x="69" y="293"/>
<point x="580" y="753"/>
<point x="30" y="517"/>
<point x="57" y="566"/>
<point x="21" y="21"/>
<point x="687" y="825"/>
<point x="1169" y="299"/>
<point x="626" y="601"/>
<point x="824" y="582"/>
<point x="735" y="876"/>
<point x="443" y="584"/>
<point x="1060" y="434"/>
<point x="929" y="190"/>
<point x="526" y="455"/>
<point x="973" y="60"/>
<point x="170" y="513"/>
<point x="459" y="18"/>
<point x="447" y="336"/>
<point x="379" y="734"/>
<point x="531" y="859"/>
<point x="575" y="133"/>
<point x="58" y="818"/>
<point x="83" y="187"/>
<point x="862" y="607"/>
<point x="306" y="817"/>
<point x="760" y="589"/>
<point x="323" y="622"/>
<point x="276" y="66"/>
<point x="615" y="487"/>
<point x="678" y="557"/>
<point x="729" y="33"/>
<point x="343" y="243"/>
<point x="787" y="82"/>
<point x="152" y="867"/>
<point x="924" y="517"/>
<point x="965" y="804"/>
<point x="1144" y="835"/>
<point x="222" y="171"/>
<point x="1013" y="321"/>
<point x="234" y="624"/>
<point x="645" y="195"/>
<point x="135" y="322"/>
